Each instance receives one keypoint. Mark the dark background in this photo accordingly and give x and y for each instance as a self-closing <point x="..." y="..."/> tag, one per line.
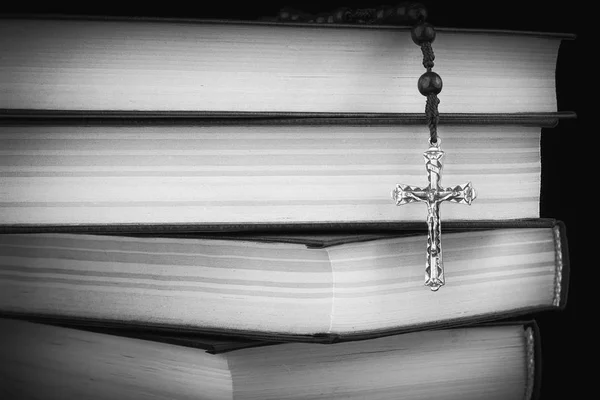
<point x="563" y="333"/>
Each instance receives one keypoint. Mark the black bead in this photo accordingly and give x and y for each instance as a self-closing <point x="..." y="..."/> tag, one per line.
<point x="399" y="12"/>
<point x="321" y="18"/>
<point x="417" y="12"/>
<point x="285" y="14"/>
<point x="422" y="33"/>
<point x="342" y="14"/>
<point x="430" y="83"/>
<point x="395" y="14"/>
<point x="382" y="13"/>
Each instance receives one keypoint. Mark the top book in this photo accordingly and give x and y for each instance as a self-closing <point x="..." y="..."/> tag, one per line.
<point x="128" y="65"/>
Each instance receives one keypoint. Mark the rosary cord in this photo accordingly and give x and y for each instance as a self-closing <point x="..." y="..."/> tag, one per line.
<point x="428" y="55"/>
<point x="430" y="83"/>
<point x="432" y="116"/>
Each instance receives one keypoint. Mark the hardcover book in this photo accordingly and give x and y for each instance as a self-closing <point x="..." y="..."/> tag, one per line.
<point x="501" y="361"/>
<point x="100" y="65"/>
<point x="317" y="287"/>
<point x="252" y="175"/>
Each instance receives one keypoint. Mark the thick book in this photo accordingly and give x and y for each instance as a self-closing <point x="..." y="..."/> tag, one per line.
<point x="226" y="175"/>
<point x="104" y="65"/>
<point x="497" y="362"/>
<point x="319" y="287"/>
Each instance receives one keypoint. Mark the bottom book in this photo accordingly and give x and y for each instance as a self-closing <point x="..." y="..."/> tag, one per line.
<point x="495" y="361"/>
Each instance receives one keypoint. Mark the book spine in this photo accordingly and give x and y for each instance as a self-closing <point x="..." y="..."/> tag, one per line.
<point x="534" y="361"/>
<point x="561" y="285"/>
<point x="530" y="362"/>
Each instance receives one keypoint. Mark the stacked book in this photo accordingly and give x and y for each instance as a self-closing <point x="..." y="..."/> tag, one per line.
<point x="201" y="209"/>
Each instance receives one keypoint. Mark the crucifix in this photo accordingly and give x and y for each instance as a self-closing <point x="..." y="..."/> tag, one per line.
<point x="433" y="195"/>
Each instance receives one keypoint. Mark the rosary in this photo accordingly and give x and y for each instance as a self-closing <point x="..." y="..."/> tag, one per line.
<point x="430" y="85"/>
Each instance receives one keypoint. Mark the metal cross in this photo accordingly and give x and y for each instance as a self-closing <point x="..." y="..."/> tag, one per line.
<point x="433" y="195"/>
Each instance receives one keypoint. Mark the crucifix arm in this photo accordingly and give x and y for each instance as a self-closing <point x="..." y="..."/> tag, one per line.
<point x="464" y="194"/>
<point x="403" y="194"/>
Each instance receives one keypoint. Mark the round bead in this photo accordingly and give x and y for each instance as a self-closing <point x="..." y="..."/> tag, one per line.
<point x="382" y="13"/>
<point x="422" y="33"/>
<point x="417" y="12"/>
<point x="321" y="18"/>
<point x="394" y="14"/>
<point x="399" y="12"/>
<point x="430" y="83"/>
<point x="342" y="14"/>
<point x="285" y="15"/>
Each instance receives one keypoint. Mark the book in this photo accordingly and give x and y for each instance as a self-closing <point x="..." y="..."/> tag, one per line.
<point x="462" y="363"/>
<point x="229" y="175"/>
<point x="282" y="287"/>
<point x="123" y="65"/>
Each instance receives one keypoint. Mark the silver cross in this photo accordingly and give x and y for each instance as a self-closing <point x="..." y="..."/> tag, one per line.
<point x="433" y="195"/>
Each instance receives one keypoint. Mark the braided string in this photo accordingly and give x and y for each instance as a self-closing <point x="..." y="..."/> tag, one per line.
<point x="432" y="116"/>
<point x="428" y="55"/>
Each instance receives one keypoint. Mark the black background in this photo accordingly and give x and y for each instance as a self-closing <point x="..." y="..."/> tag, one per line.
<point x="563" y="338"/>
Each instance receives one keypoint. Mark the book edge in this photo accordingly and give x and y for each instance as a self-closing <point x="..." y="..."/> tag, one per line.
<point x="218" y="118"/>
<point x="529" y="362"/>
<point x="562" y="265"/>
<point x="257" y="228"/>
<point x="348" y="238"/>
<point x="558" y="266"/>
<point x="536" y="376"/>
<point x="264" y="22"/>
<point x="186" y="333"/>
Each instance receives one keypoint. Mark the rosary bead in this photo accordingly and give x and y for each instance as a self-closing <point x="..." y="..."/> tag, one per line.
<point x="430" y="83"/>
<point x="342" y="14"/>
<point x="417" y="12"/>
<point x="285" y="14"/>
<point x="382" y="13"/>
<point x="396" y="14"/>
<point x="422" y="33"/>
<point x="292" y="15"/>
<point x="399" y="12"/>
<point x="321" y="18"/>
